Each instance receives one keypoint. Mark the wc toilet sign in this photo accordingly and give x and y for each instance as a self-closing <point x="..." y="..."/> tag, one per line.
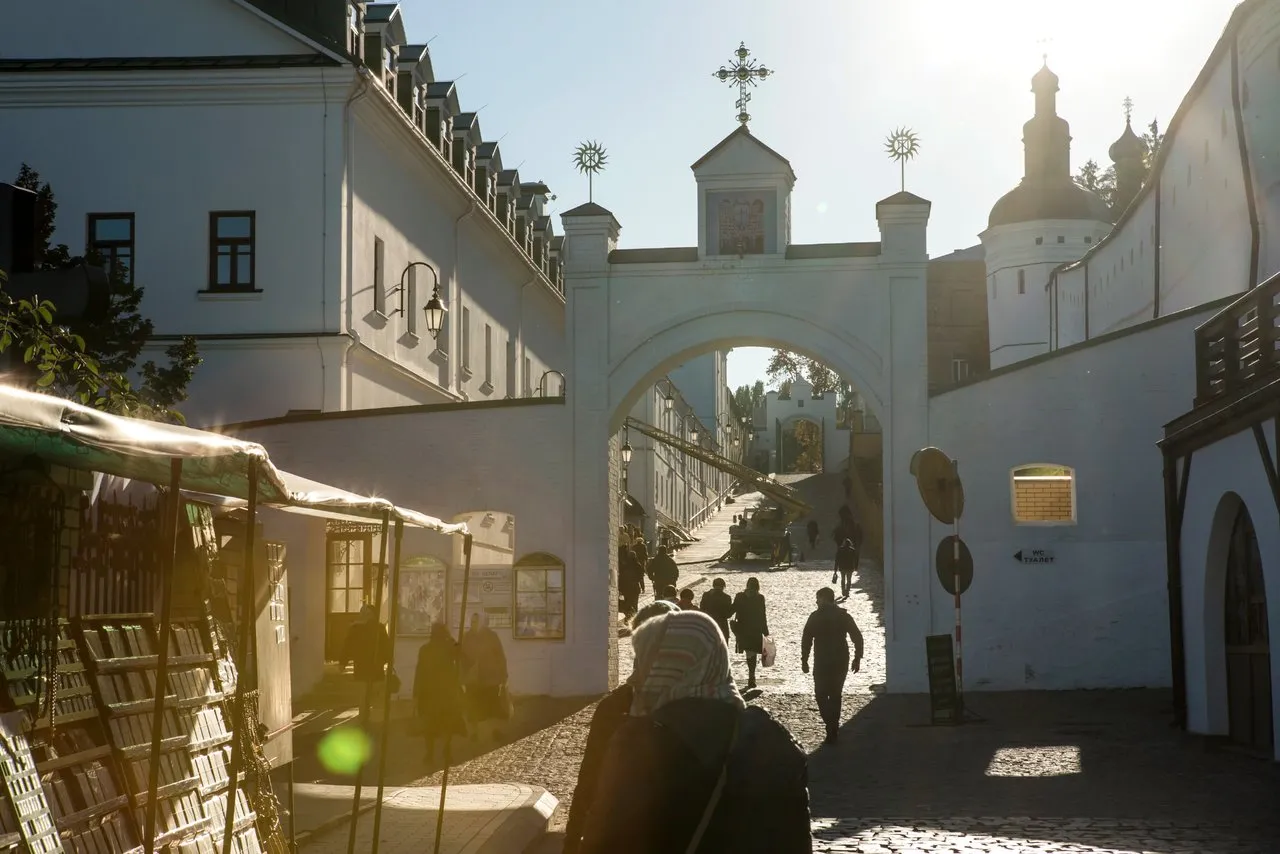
<point x="1034" y="556"/>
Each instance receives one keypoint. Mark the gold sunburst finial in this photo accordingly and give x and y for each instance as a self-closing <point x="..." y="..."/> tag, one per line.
<point x="589" y="158"/>
<point x="902" y="145"/>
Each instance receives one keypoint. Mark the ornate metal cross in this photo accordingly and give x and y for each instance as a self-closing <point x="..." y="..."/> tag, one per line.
<point x="1128" y="109"/>
<point x="743" y="73"/>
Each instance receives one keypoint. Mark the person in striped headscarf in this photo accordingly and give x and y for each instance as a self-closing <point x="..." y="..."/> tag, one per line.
<point x="694" y="768"/>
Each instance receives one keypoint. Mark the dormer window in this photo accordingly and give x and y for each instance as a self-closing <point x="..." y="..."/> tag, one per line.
<point x="389" y="69"/>
<point x="355" y="31"/>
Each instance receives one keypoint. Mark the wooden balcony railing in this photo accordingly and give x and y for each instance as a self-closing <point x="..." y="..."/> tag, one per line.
<point x="1237" y="347"/>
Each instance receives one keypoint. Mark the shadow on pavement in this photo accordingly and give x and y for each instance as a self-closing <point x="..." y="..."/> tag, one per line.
<point x="1109" y="756"/>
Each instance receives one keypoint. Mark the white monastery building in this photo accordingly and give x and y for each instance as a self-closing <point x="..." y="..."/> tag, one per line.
<point x="1119" y="460"/>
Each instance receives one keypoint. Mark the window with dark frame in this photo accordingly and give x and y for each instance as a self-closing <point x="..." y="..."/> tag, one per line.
<point x="539" y="598"/>
<point x="1022" y="281"/>
<point x="379" y="285"/>
<point x="411" y="297"/>
<point x="111" y="241"/>
<point x="232" y="238"/>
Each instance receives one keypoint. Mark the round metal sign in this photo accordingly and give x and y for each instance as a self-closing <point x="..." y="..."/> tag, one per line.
<point x="949" y="567"/>
<point x="939" y="485"/>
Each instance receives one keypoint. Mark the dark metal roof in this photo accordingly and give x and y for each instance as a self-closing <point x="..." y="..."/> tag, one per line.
<point x="163" y="63"/>
<point x="321" y="22"/>
<point x="557" y="243"/>
<point x="801" y="252"/>
<point x="525" y="203"/>
<point x="542" y="223"/>
<point x="440" y="89"/>
<point x="414" y="53"/>
<point x="589" y="209"/>
<point x="380" y="13"/>
<point x="1128" y="147"/>
<point x="536" y="188"/>
<point x="464" y="121"/>
<point x="1031" y="203"/>
<point x="486" y="150"/>
<point x="508" y="178"/>
<point x="667" y="255"/>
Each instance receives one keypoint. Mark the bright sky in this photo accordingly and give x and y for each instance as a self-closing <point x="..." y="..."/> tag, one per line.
<point x="637" y="78"/>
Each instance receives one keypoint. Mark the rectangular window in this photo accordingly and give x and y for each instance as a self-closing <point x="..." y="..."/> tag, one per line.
<point x="959" y="370"/>
<point x="111" y="240"/>
<point x="539" y="595"/>
<point x="528" y="377"/>
<point x="411" y="302"/>
<point x="232" y="251"/>
<point x="1022" y="281"/>
<point x="466" y="339"/>
<point x="511" y="367"/>
<point x="488" y="354"/>
<point x="379" y="285"/>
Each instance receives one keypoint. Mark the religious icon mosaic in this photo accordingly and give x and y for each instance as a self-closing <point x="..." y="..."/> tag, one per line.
<point x="742" y="223"/>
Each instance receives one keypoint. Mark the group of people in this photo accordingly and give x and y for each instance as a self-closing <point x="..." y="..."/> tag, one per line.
<point x="459" y="689"/>
<point x="635" y="565"/>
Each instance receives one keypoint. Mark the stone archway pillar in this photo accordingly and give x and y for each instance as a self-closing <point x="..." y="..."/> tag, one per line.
<point x="591" y="233"/>
<point x="907" y="560"/>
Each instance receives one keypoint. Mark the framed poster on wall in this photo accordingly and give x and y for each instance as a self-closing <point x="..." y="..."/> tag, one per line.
<point x="422" y="596"/>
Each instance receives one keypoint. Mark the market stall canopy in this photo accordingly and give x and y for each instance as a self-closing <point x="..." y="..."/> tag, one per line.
<point x="215" y="468"/>
<point x="68" y="434"/>
<point x="312" y="498"/>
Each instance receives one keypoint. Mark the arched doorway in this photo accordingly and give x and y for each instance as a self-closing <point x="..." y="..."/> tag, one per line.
<point x="801" y="445"/>
<point x="1247" y="640"/>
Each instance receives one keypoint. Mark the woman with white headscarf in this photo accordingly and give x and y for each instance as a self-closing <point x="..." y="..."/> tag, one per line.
<point x="694" y="769"/>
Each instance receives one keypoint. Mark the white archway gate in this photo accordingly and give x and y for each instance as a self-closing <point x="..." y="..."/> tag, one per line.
<point x="633" y="315"/>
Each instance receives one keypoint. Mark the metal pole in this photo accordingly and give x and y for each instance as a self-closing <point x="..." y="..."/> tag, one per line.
<point x="955" y="562"/>
<point x="248" y="611"/>
<point x="392" y="628"/>
<point x="367" y="703"/>
<point x="162" y="637"/>
<point x="448" y="739"/>
<point x="293" y="812"/>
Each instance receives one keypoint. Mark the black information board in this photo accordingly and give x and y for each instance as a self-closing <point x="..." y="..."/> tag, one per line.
<point x="944" y="702"/>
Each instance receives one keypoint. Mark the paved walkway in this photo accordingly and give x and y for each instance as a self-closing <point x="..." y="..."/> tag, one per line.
<point x="484" y="819"/>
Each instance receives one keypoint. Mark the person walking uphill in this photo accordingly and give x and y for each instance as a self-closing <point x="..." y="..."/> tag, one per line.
<point x="717" y="605"/>
<point x="693" y="769"/>
<point x="610" y="714"/>
<point x="751" y="626"/>
<point x="824" y="634"/>
<point x="663" y="570"/>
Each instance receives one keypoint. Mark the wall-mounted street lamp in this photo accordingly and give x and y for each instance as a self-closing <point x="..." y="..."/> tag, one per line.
<point x="670" y="399"/>
<point x="542" y="383"/>
<point x="627" y="451"/>
<point x="693" y="431"/>
<point x="434" y="309"/>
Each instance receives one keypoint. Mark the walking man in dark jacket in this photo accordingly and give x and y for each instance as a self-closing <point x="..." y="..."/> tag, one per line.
<point x="825" y="634"/>
<point x="663" y="571"/>
<point x="717" y="605"/>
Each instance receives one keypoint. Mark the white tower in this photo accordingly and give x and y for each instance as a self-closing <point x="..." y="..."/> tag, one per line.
<point x="1045" y="221"/>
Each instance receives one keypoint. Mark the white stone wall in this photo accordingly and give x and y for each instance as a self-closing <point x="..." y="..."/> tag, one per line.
<point x="1223" y="476"/>
<point x="442" y="463"/>
<point x="802" y="405"/>
<point x="1097" y="617"/>
<point x="332" y="163"/>
<point x="1020" y="258"/>
<point x="1205" y="238"/>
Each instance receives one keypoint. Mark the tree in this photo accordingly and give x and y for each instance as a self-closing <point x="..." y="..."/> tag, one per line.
<point x="802" y="447"/>
<point x="1098" y="181"/>
<point x="745" y="399"/>
<point x="786" y="367"/>
<point x="54" y="356"/>
<point x="115" y="343"/>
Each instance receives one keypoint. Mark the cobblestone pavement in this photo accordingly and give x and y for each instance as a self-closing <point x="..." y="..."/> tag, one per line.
<point x="1090" y="771"/>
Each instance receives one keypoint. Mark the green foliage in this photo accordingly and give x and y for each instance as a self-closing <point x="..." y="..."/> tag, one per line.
<point x="802" y="447"/>
<point x="786" y="367"/>
<point x="745" y="398"/>
<point x="91" y="361"/>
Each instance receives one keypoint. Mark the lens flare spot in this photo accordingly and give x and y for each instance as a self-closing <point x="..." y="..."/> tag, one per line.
<point x="822" y="207"/>
<point x="344" y="750"/>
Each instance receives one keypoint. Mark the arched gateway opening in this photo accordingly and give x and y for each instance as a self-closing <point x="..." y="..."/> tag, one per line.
<point x="633" y="315"/>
